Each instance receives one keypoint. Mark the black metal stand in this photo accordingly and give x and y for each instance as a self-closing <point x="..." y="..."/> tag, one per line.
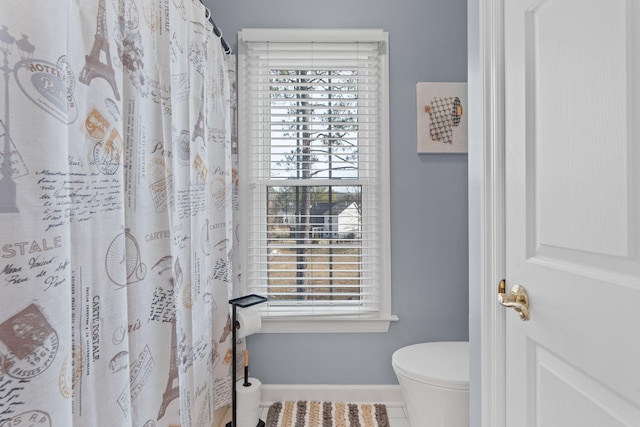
<point x="246" y="301"/>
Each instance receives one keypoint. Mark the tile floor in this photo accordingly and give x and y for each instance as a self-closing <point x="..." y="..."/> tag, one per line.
<point x="397" y="416"/>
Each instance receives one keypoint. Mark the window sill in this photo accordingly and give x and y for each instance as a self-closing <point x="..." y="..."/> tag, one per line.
<point x="334" y="324"/>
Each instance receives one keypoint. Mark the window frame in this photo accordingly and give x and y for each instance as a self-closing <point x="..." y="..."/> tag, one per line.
<point x="362" y="322"/>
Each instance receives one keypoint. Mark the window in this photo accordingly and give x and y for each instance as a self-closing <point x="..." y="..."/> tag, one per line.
<point x="314" y="148"/>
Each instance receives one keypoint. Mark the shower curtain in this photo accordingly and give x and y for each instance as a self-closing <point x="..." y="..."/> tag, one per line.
<point x="117" y="201"/>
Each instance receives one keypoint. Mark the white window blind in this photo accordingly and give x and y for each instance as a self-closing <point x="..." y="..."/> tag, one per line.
<point x="314" y="170"/>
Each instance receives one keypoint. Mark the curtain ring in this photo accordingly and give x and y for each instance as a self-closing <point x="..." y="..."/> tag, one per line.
<point x="216" y="30"/>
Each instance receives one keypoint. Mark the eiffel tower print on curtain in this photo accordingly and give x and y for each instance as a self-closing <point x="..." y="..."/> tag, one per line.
<point x="198" y="131"/>
<point x="93" y="66"/>
<point x="173" y="389"/>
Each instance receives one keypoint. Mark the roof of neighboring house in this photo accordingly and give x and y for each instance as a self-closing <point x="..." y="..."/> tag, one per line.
<point x="324" y="209"/>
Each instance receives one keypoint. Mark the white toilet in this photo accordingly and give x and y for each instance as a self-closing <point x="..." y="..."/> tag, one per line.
<point x="434" y="378"/>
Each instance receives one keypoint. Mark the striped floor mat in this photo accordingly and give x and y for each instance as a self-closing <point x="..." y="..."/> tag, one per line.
<point x="326" y="414"/>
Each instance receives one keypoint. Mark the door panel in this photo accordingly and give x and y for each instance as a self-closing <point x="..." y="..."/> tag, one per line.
<point x="578" y="126"/>
<point x="572" y="211"/>
<point x="573" y="398"/>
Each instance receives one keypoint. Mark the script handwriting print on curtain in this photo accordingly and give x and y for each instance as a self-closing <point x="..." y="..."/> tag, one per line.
<point x="115" y="199"/>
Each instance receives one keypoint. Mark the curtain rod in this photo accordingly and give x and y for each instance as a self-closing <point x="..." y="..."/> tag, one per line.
<point x="216" y="30"/>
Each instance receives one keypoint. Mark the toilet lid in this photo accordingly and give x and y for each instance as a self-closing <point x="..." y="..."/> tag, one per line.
<point x="444" y="364"/>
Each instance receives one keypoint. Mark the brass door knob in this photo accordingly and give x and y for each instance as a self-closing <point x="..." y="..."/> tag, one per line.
<point x="517" y="298"/>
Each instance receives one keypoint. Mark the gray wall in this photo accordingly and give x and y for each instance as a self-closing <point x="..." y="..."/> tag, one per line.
<point x="428" y="42"/>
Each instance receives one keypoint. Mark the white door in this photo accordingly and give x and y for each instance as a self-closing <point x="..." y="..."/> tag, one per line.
<point x="572" y="141"/>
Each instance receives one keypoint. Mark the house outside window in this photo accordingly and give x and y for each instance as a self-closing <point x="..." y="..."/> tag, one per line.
<point x="314" y="152"/>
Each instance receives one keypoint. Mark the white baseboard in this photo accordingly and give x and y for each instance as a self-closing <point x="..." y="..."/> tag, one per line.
<point x="391" y="395"/>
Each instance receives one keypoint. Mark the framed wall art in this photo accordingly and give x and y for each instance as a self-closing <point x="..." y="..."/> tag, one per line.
<point x="442" y="117"/>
